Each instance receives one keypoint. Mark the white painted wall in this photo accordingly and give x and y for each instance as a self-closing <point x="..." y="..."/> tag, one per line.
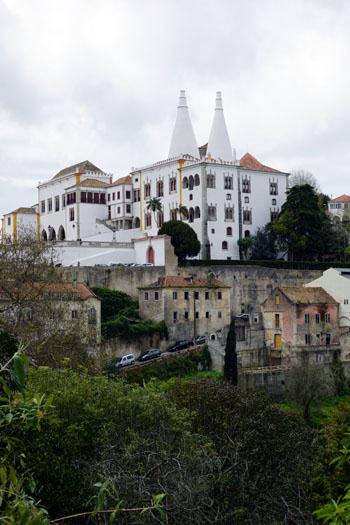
<point x="338" y="287"/>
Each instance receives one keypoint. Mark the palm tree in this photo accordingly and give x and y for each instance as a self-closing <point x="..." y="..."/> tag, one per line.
<point x="155" y="205"/>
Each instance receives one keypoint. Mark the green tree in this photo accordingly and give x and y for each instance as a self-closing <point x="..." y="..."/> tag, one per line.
<point x="264" y="244"/>
<point x="303" y="228"/>
<point x="230" y="365"/>
<point x="183" y="238"/>
<point x="245" y="246"/>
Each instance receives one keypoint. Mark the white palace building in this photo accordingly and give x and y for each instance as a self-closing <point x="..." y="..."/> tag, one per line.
<point x="92" y="219"/>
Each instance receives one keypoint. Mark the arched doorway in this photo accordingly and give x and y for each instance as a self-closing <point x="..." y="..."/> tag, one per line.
<point x="150" y="255"/>
<point x="52" y="234"/>
<point x="44" y="236"/>
<point x="136" y="222"/>
<point x="61" y="234"/>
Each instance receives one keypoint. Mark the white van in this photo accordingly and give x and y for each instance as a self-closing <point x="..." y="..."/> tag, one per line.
<point x="125" y="360"/>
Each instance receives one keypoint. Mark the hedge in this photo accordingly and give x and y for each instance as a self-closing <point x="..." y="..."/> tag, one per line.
<point x="287" y="265"/>
<point x="131" y="329"/>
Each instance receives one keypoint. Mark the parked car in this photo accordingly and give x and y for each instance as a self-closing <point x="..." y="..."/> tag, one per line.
<point x="152" y="353"/>
<point x="180" y="345"/>
<point x="125" y="360"/>
<point x="200" y="339"/>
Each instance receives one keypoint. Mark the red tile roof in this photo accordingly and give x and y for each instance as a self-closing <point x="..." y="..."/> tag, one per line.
<point x="342" y="198"/>
<point x="251" y="163"/>
<point x="50" y="290"/>
<point x="179" y="281"/>
<point x="81" y="167"/>
<point x="308" y="295"/>
<point x="122" y="180"/>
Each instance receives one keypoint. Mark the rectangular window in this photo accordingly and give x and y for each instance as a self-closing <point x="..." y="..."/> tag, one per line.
<point x="277" y="320"/>
<point x="128" y="208"/>
<point x="113" y="196"/>
<point x="186" y="315"/>
<point x="102" y="198"/>
<point x="247" y="216"/>
<point x="109" y="197"/>
<point x="206" y="296"/>
<point x="8" y="221"/>
<point x="277" y="299"/>
<point x="229" y="213"/>
<point x="71" y="214"/>
<point x="127" y="194"/>
<point x="146" y="296"/>
<point x="228" y="183"/>
<point x="136" y="195"/>
<point x="118" y="195"/>
<point x="317" y="318"/>
<point x="196" y="295"/>
<point x="109" y="213"/>
<point x="175" y="296"/>
<point x="346" y="301"/>
<point x="228" y="196"/>
<point x="273" y="188"/>
<point x="219" y="315"/>
<point x="246" y="185"/>
<point x="240" y="333"/>
<point x="174" y="317"/>
<point x="42" y="206"/>
<point x="219" y="295"/>
<point x="307" y="339"/>
<point x="306" y="318"/>
<point x="211" y="213"/>
<point x="63" y="201"/>
<point x="49" y="204"/>
<point x="118" y="210"/>
<point x="71" y="198"/>
<point x="277" y="341"/>
<point x="156" y="296"/>
<point x="197" y="315"/>
<point x="328" y="339"/>
<point x="83" y="196"/>
<point x="186" y="296"/>
<point x="211" y="183"/>
<point x="74" y="314"/>
<point x="96" y="198"/>
<point x="207" y="315"/>
<point x="57" y="203"/>
<point x="89" y="196"/>
<point x="172" y="184"/>
<point x="327" y="317"/>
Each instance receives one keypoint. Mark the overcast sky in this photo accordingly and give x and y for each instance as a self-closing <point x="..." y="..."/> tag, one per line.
<point x="99" y="80"/>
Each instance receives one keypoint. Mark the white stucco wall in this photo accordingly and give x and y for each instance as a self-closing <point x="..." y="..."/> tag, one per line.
<point x="339" y="288"/>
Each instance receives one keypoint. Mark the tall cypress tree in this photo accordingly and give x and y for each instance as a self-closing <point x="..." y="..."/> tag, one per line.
<point x="230" y="366"/>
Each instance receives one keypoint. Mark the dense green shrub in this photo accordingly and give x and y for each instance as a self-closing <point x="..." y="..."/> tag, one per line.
<point x="133" y="438"/>
<point x="115" y="303"/>
<point x="124" y="327"/>
<point x="172" y="366"/>
<point x="267" y="453"/>
<point x="287" y="265"/>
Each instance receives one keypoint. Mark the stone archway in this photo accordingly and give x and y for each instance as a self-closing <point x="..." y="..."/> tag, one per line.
<point x="44" y="236"/>
<point x="61" y="235"/>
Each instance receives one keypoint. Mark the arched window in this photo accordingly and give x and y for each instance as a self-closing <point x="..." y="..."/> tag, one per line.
<point x="160" y="188"/>
<point x="185" y="182"/>
<point x="247" y="233"/>
<point x="197" y="212"/>
<point x="52" y="234"/>
<point x="191" y="215"/>
<point x="136" y="222"/>
<point x="224" y="245"/>
<point x="229" y="231"/>
<point x="61" y="234"/>
<point x="191" y="182"/>
<point x="160" y="219"/>
<point x="44" y="236"/>
<point x="196" y="180"/>
<point x="150" y="255"/>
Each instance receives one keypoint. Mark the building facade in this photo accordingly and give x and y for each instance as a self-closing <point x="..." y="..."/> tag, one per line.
<point x="22" y="220"/>
<point x="340" y="207"/>
<point x="301" y="323"/>
<point x="189" y="306"/>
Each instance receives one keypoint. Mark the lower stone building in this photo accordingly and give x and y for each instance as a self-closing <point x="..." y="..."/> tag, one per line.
<point x="301" y="325"/>
<point x="190" y="306"/>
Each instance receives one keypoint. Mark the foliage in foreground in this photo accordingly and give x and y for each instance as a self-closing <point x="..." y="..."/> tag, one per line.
<point x="183" y="238"/>
<point x="267" y="454"/>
